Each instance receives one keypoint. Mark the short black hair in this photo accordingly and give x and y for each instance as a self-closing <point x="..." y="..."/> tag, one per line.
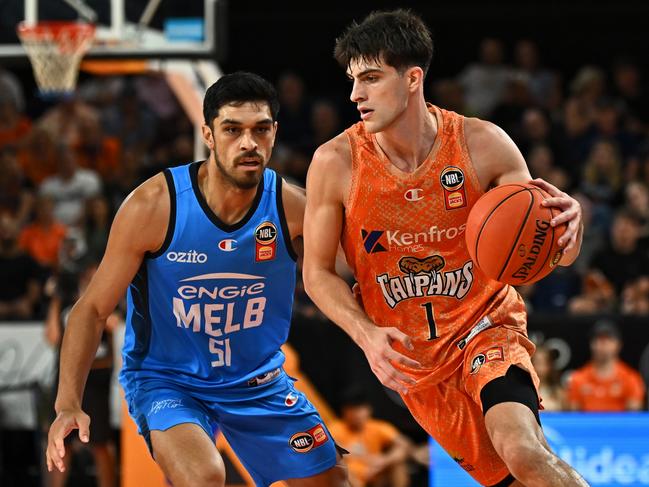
<point x="354" y="397"/>
<point x="398" y="37"/>
<point x="238" y="88"/>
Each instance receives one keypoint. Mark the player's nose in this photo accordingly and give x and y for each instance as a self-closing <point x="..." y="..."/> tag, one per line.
<point x="247" y="141"/>
<point x="357" y="94"/>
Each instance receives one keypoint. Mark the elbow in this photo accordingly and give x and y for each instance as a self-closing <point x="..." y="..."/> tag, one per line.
<point x="308" y="280"/>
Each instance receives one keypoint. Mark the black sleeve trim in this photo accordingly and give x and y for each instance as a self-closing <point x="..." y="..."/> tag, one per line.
<point x="172" y="217"/>
<point x="282" y="218"/>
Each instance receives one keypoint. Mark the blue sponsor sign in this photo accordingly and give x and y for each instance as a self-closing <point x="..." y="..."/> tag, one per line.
<point x="608" y="449"/>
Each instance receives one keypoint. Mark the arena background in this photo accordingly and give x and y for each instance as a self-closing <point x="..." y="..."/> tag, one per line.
<point x="275" y="38"/>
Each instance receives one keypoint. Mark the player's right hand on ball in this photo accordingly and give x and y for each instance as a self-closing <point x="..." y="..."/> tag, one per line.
<point x="66" y="421"/>
<point x="381" y="356"/>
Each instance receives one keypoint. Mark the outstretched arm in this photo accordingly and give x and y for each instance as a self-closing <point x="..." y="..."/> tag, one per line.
<point x="323" y="224"/>
<point x="140" y="226"/>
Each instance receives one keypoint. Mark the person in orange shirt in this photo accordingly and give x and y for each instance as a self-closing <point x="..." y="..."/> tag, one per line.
<point x="377" y="451"/>
<point x="605" y="383"/>
<point x="396" y="190"/>
<point x="42" y="239"/>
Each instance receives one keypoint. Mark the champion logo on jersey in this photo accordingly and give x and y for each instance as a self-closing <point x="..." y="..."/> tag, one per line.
<point x="291" y="400"/>
<point x="228" y="245"/>
<point x="371" y="241"/>
<point x="413" y="194"/>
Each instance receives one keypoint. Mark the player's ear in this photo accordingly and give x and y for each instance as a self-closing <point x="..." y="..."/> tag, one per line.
<point x="208" y="136"/>
<point x="415" y="77"/>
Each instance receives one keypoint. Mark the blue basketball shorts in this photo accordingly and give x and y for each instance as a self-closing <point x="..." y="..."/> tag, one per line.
<point x="274" y="430"/>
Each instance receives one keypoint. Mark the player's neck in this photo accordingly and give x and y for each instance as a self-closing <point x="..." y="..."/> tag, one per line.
<point x="409" y="140"/>
<point x="227" y="201"/>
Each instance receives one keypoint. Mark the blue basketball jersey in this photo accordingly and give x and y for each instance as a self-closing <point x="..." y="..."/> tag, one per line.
<point x="212" y="307"/>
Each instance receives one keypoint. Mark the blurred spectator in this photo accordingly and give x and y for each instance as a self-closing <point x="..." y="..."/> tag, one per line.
<point x="540" y="160"/>
<point x="543" y="84"/>
<point x="588" y="86"/>
<point x="38" y="156"/>
<point x="449" y="94"/>
<point x="605" y="383"/>
<point x="295" y="113"/>
<point x="622" y="261"/>
<point x="484" y="82"/>
<point x="14" y="126"/>
<point x="65" y="120"/>
<point x="602" y="178"/>
<point x="11" y="90"/>
<point x="96" y="151"/>
<point x="550" y="390"/>
<point x="594" y="237"/>
<point x="576" y="137"/>
<point x="96" y="226"/>
<point x="608" y="126"/>
<point x="70" y="188"/>
<point x="42" y="238"/>
<point x="16" y="191"/>
<point x="325" y="122"/>
<point x="635" y="297"/>
<point x="130" y="120"/>
<point x="96" y="396"/>
<point x="630" y="90"/>
<point x="20" y="276"/>
<point x="377" y="451"/>
<point x="536" y="129"/>
<point x="509" y="112"/>
<point x="637" y="202"/>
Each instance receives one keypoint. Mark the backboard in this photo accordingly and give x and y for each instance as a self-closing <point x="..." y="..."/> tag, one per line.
<point x="125" y="28"/>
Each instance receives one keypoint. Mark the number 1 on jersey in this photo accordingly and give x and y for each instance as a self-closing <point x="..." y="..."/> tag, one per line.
<point x="430" y="317"/>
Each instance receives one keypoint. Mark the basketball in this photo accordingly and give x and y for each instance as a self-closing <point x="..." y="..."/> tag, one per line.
<point x="509" y="236"/>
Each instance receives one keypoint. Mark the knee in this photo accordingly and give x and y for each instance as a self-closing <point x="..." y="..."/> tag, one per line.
<point x="521" y="459"/>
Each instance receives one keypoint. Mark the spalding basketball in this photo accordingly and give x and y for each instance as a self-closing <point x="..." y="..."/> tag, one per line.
<point x="509" y="236"/>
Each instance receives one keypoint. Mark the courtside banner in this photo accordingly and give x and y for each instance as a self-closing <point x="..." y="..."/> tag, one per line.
<point x="608" y="449"/>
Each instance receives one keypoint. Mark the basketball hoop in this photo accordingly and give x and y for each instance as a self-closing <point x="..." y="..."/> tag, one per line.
<point x="55" y="49"/>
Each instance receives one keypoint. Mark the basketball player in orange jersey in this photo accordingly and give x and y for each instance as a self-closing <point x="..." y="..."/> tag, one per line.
<point x="396" y="189"/>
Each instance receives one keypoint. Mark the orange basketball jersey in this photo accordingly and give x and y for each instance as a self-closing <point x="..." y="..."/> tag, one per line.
<point x="404" y="239"/>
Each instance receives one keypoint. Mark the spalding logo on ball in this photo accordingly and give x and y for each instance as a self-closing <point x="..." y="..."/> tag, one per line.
<point x="509" y="235"/>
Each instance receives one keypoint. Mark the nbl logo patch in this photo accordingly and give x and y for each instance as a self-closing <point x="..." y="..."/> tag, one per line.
<point x="452" y="181"/>
<point x="371" y="241"/>
<point x="265" y="242"/>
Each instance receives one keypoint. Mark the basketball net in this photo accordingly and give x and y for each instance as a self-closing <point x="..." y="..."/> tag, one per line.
<point x="55" y="50"/>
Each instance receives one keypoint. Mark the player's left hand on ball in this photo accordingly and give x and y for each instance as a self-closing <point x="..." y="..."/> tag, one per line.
<point x="570" y="212"/>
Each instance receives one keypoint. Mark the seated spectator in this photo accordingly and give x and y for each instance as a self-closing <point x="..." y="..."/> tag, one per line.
<point x="550" y="390"/>
<point x="42" y="238"/>
<point x="96" y="226"/>
<point x="70" y="188"/>
<point x="64" y="121"/>
<point x="544" y="84"/>
<point x="630" y="89"/>
<point x="16" y="191"/>
<point x="637" y="202"/>
<point x="377" y="451"/>
<point x="20" y="276"/>
<point x="603" y="179"/>
<point x="14" y="126"/>
<point x="605" y="383"/>
<point x="448" y="93"/>
<point x="38" y="156"/>
<point x="484" y="82"/>
<point x="295" y="114"/>
<point x="623" y="260"/>
<point x="96" y="151"/>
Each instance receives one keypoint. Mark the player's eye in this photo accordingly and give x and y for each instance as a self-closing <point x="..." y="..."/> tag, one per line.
<point x="231" y="130"/>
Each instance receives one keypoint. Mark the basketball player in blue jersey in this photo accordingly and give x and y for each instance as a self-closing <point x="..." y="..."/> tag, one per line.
<point x="206" y="252"/>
